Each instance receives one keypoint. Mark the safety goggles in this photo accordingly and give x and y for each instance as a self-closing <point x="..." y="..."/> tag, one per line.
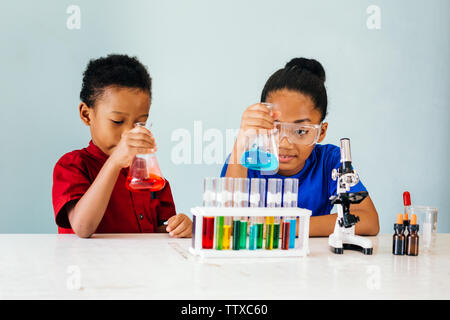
<point x="304" y="134"/>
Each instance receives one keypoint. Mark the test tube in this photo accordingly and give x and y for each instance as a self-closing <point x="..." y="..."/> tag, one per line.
<point x="257" y="200"/>
<point x="276" y="232"/>
<point x="208" y="232"/>
<point x="227" y="201"/>
<point x="236" y="232"/>
<point x="209" y="192"/>
<point x="240" y="200"/>
<point x="290" y="196"/>
<point x="285" y="235"/>
<point x="269" y="233"/>
<point x="274" y="187"/>
<point x="252" y="234"/>
<point x="243" y="194"/>
<point x="240" y="194"/>
<point x="209" y="195"/>
<point x="243" y="233"/>
<point x="218" y="236"/>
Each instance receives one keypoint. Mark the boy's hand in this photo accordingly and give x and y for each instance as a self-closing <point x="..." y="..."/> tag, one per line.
<point x="179" y="226"/>
<point x="136" y="141"/>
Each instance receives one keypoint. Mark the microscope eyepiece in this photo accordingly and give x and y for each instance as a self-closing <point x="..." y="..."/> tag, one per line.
<point x="346" y="155"/>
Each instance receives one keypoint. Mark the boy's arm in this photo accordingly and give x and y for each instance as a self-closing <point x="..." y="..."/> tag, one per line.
<point x="86" y="214"/>
<point x="368" y="225"/>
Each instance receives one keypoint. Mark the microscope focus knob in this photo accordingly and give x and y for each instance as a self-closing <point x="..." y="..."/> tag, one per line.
<point x="334" y="174"/>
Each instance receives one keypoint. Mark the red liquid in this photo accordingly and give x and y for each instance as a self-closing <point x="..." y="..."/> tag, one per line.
<point x="208" y="232"/>
<point x="153" y="183"/>
<point x="285" y="238"/>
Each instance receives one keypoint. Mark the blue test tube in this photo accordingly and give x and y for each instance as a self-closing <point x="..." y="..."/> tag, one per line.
<point x="290" y="196"/>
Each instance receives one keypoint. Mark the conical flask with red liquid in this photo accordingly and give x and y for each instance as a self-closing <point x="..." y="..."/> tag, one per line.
<point x="144" y="173"/>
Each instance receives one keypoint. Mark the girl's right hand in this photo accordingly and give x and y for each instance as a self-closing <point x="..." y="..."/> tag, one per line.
<point x="135" y="141"/>
<point x="257" y="116"/>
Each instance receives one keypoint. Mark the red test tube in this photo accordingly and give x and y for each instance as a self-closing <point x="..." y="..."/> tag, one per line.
<point x="208" y="233"/>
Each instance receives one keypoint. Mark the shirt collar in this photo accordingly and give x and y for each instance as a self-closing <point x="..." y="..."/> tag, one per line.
<point x="96" y="152"/>
<point x="310" y="161"/>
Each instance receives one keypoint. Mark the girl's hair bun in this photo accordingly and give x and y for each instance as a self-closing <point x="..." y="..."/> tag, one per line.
<point x="311" y="65"/>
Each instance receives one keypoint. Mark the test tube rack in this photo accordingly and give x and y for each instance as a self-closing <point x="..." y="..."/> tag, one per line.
<point x="301" y="248"/>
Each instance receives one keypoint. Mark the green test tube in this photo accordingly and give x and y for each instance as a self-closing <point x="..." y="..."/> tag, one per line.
<point x="236" y="232"/>
<point x="219" y="233"/>
<point x="243" y="235"/>
<point x="240" y="200"/>
<point x="260" y="232"/>
<point x="258" y="200"/>
<point x="276" y="232"/>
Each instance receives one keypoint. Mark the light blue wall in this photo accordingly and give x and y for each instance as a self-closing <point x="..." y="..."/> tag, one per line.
<point x="388" y="88"/>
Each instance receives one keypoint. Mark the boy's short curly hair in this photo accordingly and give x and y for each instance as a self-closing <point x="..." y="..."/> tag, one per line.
<point x="113" y="70"/>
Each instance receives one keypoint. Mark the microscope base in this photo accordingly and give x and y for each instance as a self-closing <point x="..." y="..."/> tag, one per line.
<point x="346" y="239"/>
<point x="366" y="251"/>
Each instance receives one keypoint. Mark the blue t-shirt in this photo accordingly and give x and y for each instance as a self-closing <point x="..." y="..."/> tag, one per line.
<point x="315" y="185"/>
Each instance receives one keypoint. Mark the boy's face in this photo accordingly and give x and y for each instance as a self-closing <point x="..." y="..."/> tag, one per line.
<point x="115" y="111"/>
<point x="294" y="107"/>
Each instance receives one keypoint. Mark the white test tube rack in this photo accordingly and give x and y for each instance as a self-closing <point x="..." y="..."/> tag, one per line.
<point x="301" y="246"/>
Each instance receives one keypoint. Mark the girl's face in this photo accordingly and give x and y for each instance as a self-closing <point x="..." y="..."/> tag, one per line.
<point x="294" y="107"/>
<point x="115" y="111"/>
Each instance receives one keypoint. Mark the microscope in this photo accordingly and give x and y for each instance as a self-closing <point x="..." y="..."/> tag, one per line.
<point x="344" y="236"/>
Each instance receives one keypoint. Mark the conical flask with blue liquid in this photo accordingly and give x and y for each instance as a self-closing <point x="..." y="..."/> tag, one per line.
<point x="261" y="149"/>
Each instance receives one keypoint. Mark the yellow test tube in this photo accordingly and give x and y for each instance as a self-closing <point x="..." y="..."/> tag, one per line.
<point x="269" y="232"/>
<point x="227" y="233"/>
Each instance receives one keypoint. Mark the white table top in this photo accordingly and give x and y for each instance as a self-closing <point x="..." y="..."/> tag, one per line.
<point x="155" y="266"/>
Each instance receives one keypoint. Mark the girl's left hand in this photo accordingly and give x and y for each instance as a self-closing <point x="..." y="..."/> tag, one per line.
<point x="179" y="226"/>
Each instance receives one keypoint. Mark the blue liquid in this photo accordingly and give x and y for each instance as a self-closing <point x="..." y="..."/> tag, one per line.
<point x="292" y="233"/>
<point x="252" y="237"/>
<point x="258" y="160"/>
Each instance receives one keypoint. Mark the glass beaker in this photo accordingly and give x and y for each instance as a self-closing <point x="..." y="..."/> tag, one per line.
<point x="427" y="220"/>
<point x="261" y="149"/>
<point x="144" y="173"/>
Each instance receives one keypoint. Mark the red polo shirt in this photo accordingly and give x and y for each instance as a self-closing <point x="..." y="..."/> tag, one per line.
<point x="127" y="212"/>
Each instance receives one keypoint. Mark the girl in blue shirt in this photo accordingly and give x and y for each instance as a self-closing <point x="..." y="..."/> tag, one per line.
<point x="300" y="105"/>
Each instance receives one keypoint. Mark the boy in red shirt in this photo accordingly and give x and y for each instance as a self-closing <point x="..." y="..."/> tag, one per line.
<point x="89" y="193"/>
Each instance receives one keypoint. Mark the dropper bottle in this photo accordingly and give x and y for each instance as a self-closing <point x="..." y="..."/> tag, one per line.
<point x="412" y="240"/>
<point x="406" y="205"/>
<point x="398" y="243"/>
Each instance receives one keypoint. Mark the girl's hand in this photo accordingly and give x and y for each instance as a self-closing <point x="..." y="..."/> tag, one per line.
<point x="179" y="226"/>
<point x="136" y="141"/>
<point x="255" y="118"/>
